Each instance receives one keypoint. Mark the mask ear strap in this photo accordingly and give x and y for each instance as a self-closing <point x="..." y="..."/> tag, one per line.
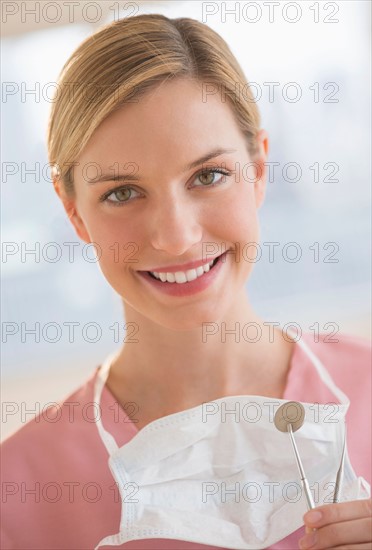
<point x="110" y="540"/>
<point x="322" y="371"/>
<point x="102" y="375"/>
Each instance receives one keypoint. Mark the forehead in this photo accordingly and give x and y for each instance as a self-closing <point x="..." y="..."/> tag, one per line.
<point x="176" y="121"/>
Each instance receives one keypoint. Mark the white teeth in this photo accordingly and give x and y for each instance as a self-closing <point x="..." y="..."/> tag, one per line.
<point x="181" y="277"/>
<point x="199" y="271"/>
<point x="191" y="274"/>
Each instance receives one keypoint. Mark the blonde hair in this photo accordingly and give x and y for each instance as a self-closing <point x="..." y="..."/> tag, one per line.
<point x="124" y="59"/>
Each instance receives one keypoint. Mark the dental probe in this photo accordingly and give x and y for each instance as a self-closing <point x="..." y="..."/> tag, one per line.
<point x="340" y="472"/>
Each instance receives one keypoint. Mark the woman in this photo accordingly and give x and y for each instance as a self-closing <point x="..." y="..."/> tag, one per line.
<point x="147" y="108"/>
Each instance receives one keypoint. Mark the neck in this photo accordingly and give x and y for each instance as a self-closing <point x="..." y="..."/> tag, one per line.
<point x="171" y="370"/>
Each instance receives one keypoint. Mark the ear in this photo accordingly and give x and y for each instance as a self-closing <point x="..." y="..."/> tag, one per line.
<point x="260" y="163"/>
<point x="69" y="204"/>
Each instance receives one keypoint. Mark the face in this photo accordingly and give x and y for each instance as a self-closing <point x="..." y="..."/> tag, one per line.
<point x="167" y="213"/>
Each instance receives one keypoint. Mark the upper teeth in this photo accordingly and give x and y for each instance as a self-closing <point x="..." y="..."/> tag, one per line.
<point x="183" y="276"/>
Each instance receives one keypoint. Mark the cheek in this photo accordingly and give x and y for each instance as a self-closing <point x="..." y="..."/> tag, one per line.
<point x="118" y="230"/>
<point x="237" y="215"/>
<point x="118" y="241"/>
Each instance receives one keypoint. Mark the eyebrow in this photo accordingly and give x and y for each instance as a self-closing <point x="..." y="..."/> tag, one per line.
<point x="131" y="177"/>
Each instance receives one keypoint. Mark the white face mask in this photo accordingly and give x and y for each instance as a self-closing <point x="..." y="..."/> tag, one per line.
<point x="221" y="473"/>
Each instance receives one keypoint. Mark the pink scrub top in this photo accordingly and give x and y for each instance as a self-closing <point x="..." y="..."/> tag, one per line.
<point x="57" y="488"/>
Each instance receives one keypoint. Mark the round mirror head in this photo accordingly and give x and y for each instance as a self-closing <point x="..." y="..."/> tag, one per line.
<point x="292" y="413"/>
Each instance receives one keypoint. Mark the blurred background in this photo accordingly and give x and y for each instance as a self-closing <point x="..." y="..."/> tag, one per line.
<point x="309" y="67"/>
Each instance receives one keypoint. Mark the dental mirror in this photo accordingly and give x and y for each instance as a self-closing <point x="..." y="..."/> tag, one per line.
<point x="289" y="418"/>
<point x="292" y="413"/>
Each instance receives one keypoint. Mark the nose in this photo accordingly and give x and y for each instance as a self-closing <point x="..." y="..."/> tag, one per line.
<point x="176" y="226"/>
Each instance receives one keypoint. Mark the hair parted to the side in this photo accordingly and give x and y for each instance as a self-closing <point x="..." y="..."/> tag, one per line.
<point x="124" y="59"/>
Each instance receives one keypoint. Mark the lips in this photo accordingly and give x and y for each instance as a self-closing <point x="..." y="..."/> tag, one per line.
<point x="186" y="288"/>
<point x="182" y="277"/>
<point x="184" y="267"/>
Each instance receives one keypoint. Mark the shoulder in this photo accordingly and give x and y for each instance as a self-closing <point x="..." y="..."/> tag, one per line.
<point x="347" y="358"/>
<point x="48" y="466"/>
<point x="342" y="354"/>
<point x="56" y="426"/>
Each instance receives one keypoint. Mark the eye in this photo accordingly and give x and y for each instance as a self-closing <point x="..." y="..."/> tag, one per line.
<point x="122" y="195"/>
<point x="209" y="175"/>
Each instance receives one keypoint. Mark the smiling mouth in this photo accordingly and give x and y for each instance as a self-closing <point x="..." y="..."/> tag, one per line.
<point x="182" y="277"/>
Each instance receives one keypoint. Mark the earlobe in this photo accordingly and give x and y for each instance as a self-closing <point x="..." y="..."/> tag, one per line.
<point x="78" y="224"/>
<point x="82" y="232"/>
<point x="264" y="141"/>
<point x="73" y="216"/>
<point x="260" y="183"/>
<point x="260" y="192"/>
